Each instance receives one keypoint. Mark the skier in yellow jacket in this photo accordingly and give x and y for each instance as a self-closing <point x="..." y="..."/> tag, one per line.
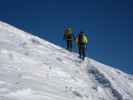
<point x="82" y="41"/>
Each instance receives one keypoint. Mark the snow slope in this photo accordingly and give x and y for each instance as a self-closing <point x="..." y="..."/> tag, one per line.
<point x="34" y="69"/>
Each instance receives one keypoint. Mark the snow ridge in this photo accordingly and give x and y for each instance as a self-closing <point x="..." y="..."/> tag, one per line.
<point x="35" y="69"/>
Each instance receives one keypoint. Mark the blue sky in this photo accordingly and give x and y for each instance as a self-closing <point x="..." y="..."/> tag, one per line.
<point x="109" y="24"/>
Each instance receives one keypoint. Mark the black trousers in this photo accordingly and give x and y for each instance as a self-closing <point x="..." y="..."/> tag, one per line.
<point x="82" y="51"/>
<point x="69" y="45"/>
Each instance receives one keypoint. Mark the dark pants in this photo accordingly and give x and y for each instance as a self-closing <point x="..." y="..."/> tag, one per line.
<point x="82" y="51"/>
<point x="69" y="45"/>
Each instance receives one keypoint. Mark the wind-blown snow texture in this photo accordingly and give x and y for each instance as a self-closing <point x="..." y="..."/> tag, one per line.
<point x="34" y="69"/>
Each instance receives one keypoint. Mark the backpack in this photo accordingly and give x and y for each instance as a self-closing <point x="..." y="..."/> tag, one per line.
<point x="82" y="39"/>
<point x="68" y="31"/>
<point x="85" y="39"/>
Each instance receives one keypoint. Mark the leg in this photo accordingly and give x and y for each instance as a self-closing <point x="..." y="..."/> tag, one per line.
<point x="83" y="51"/>
<point x="70" y="45"/>
<point x="80" y="55"/>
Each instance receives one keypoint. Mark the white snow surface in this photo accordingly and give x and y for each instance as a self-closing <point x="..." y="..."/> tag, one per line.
<point x="35" y="69"/>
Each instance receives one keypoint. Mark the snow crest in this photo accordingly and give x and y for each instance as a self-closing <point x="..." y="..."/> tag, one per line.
<point x="35" y="69"/>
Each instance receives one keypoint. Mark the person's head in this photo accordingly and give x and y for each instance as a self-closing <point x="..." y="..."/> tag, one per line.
<point x="81" y="32"/>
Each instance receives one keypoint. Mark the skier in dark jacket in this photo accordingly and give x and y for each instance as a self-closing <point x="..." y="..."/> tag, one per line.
<point x="82" y="41"/>
<point x="69" y="37"/>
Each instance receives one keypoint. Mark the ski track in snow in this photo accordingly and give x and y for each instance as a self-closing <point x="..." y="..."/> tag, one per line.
<point x="34" y="69"/>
